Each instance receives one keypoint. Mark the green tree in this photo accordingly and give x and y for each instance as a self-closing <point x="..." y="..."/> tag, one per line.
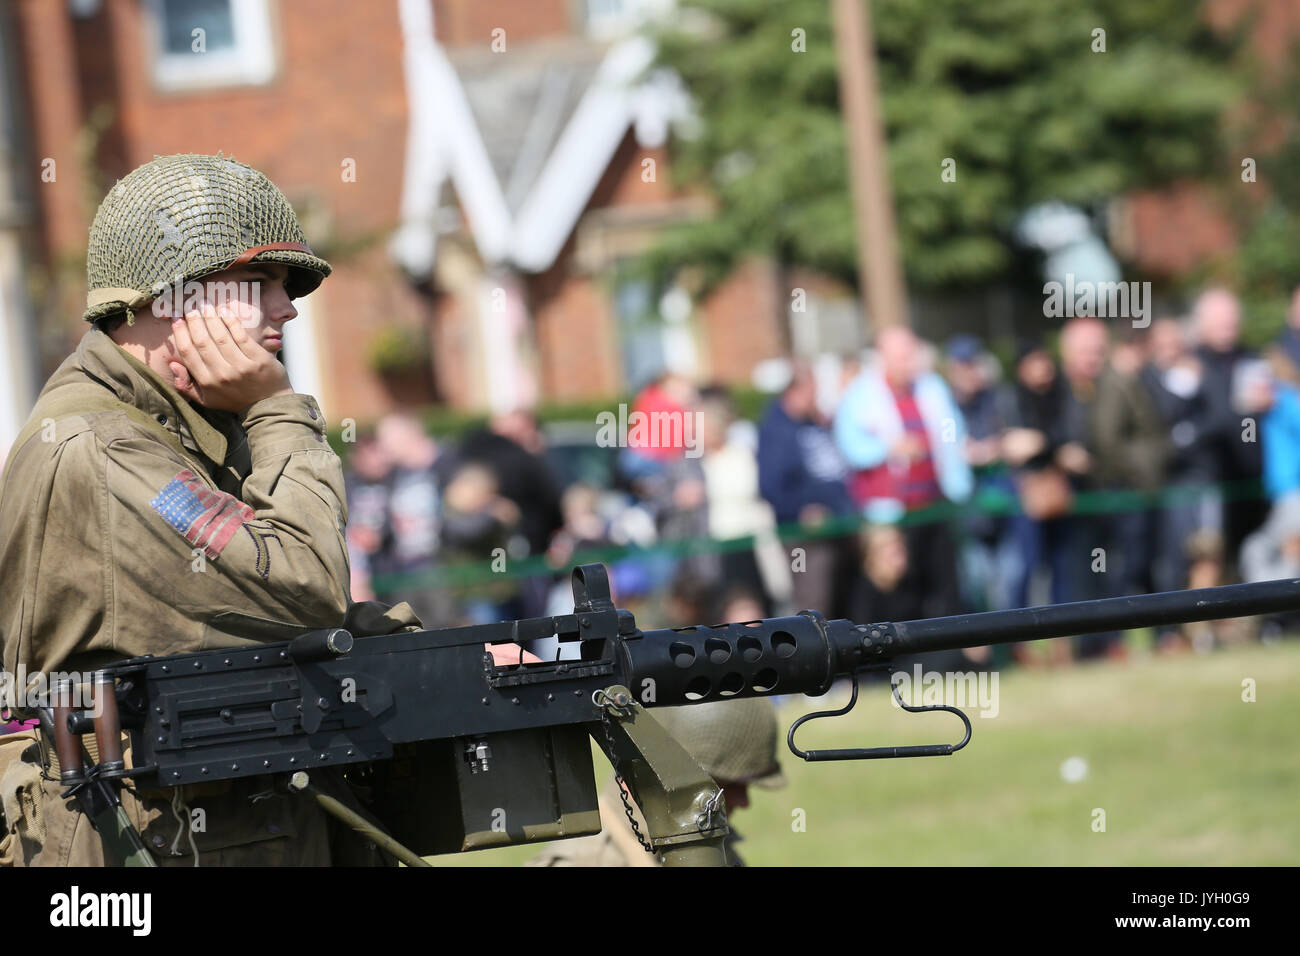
<point x="1265" y="267"/>
<point x="1016" y="92"/>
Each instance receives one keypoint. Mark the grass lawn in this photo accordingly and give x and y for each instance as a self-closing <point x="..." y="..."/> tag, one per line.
<point x="1186" y="772"/>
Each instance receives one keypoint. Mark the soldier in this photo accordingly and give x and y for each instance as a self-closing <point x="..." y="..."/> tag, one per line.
<point x="733" y="741"/>
<point x="172" y="493"/>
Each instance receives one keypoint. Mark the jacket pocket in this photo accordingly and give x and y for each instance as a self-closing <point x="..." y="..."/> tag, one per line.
<point x="239" y="823"/>
<point x="21" y="797"/>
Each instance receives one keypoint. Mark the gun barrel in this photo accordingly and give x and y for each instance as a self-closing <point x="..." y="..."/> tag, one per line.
<point x="805" y="653"/>
<point x="1087" y="617"/>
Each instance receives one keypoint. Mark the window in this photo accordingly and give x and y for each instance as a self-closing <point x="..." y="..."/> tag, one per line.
<point x="208" y="43"/>
<point x="640" y="333"/>
<point x="607" y="19"/>
<point x="655" y="338"/>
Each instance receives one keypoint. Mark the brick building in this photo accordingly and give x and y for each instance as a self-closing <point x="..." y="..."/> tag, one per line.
<point x="474" y="171"/>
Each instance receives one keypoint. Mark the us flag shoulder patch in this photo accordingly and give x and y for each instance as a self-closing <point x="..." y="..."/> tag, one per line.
<point x="206" y="518"/>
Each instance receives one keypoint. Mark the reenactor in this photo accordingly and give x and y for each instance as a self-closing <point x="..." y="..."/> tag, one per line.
<point x="173" y="493"/>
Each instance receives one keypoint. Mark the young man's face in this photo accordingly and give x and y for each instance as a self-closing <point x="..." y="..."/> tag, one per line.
<point x="255" y="295"/>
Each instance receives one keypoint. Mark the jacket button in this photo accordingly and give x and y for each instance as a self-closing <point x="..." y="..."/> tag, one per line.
<point x="158" y="841"/>
<point x="320" y="437"/>
<point x="162" y="419"/>
<point x="312" y="412"/>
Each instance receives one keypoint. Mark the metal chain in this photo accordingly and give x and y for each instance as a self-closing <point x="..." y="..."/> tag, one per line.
<point x="602" y="701"/>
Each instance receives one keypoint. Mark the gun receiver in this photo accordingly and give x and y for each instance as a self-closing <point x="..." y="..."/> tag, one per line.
<point x="434" y="722"/>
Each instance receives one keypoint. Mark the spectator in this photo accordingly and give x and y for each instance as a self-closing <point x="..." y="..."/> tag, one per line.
<point x="477" y="526"/>
<point x="889" y="588"/>
<point x="986" y="565"/>
<point x="1273" y="552"/>
<point x="801" y="472"/>
<point x="736" y="510"/>
<point x="1280" y="430"/>
<point x="885" y="590"/>
<point x="512" y="448"/>
<point x="1042" y="533"/>
<point x="681" y="509"/>
<point x="673" y="488"/>
<point x="1133" y="447"/>
<point x="690" y="602"/>
<point x="1085" y="342"/>
<point x="584" y="527"/>
<point x="899" y="427"/>
<point x="740" y="604"/>
<point x="1173" y="379"/>
<point x="413" y="535"/>
<point x="669" y="398"/>
<point x="1035" y="432"/>
<point x="802" y="475"/>
<point x="367" y="487"/>
<point x="1218" y="325"/>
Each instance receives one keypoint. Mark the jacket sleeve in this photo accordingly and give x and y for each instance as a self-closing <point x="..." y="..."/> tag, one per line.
<point x="947" y="434"/>
<point x="860" y="447"/>
<point x="1108" y="418"/>
<point x="779" y="470"/>
<point x="275" y="553"/>
<point x="1280" y="435"/>
<point x="1130" y="442"/>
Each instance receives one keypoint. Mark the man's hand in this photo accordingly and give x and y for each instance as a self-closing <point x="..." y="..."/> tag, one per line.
<point x="908" y="448"/>
<point x="219" y="366"/>
<point x="1021" y="444"/>
<point x="504" y="655"/>
<point x="1074" y="458"/>
<point x="814" y="515"/>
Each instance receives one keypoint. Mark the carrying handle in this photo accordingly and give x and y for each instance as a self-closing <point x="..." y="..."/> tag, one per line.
<point x="875" y="753"/>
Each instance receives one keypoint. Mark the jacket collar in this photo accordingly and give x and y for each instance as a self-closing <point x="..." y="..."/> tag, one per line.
<point x="137" y="384"/>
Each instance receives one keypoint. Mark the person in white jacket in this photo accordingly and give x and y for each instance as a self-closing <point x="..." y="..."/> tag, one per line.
<point x="900" y="430"/>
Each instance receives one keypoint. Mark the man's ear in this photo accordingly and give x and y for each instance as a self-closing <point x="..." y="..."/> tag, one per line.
<point x="145" y="314"/>
<point x="159" y="308"/>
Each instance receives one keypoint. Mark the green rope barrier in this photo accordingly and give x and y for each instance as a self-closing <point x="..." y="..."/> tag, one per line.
<point x="987" y="503"/>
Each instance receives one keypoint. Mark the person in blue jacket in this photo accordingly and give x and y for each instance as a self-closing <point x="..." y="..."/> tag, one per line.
<point x="801" y="475"/>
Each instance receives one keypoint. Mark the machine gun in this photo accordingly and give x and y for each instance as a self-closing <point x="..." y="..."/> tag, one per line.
<point x="462" y="753"/>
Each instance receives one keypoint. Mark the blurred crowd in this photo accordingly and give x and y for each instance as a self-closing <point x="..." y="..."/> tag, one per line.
<point x="913" y="481"/>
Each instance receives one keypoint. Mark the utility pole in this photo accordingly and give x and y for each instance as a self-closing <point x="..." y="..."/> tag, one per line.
<point x="880" y="271"/>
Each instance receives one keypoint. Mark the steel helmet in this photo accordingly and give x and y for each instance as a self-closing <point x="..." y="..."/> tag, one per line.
<point x="179" y="218"/>
<point x="733" y="740"/>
